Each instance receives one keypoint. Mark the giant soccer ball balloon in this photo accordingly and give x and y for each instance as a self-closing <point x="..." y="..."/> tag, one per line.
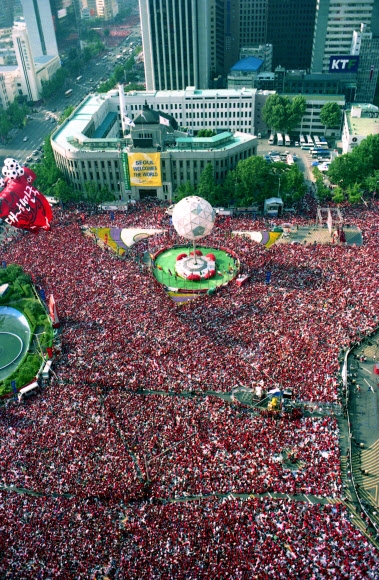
<point x="193" y="217"/>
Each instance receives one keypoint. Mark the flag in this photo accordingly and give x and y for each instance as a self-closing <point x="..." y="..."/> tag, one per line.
<point x="268" y="277"/>
<point x="129" y="122"/>
<point x="329" y="221"/>
<point x="53" y="312"/>
<point x="42" y="294"/>
<point x="22" y="206"/>
<point x="164" y="121"/>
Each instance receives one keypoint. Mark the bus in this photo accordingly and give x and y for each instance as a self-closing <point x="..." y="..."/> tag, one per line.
<point x="324" y="142"/>
<point x="287" y="140"/>
<point x="317" y="141"/>
<point x="310" y="140"/>
<point x="271" y="140"/>
<point x="302" y="140"/>
<point x="68" y="93"/>
<point x="279" y="138"/>
<point x="320" y="152"/>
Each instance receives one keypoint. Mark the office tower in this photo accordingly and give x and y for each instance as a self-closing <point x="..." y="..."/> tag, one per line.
<point x="335" y="23"/>
<point x="188" y="42"/>
<point x="67" y="21"/>
<point x="30" y="85"/>
<point x="106" y="9"/>
<point x="6" y="13"/>
<point x="253" y="22"/>
<point x="39" y="22"/>
<point x="290" y="26"/>
<point x="366" y="46"/>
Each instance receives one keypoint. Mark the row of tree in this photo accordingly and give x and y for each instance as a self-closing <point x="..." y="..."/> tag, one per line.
<point x="354" y="174"/>
<point x="253" y="181"/>
<point x="283" y="114"/>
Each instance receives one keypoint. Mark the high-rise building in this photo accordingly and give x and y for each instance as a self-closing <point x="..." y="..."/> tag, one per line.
<point x="6" y="13"/>
<point x="335" y="23"/>
<point x="290" y="26"/>
<point x="253" y="22"/>
<point x="39" y="22"/>
<point x="286" y="24"/>
<point x="366" y="46"/>
<point x="30" y="84"/>
<point x="188" y="42"/>
<point x="67" y="22"/>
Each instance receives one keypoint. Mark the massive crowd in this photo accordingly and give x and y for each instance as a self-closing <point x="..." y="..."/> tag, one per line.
<point x="129" y="422"/>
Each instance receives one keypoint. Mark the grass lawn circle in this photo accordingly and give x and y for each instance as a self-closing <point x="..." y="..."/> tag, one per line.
<point x="226" y="269"/>
<point x="14" y="340"/>
<point x="10" y="348"/>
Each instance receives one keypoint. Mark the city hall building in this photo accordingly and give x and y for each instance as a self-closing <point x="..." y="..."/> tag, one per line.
<point x="153" y="157"/>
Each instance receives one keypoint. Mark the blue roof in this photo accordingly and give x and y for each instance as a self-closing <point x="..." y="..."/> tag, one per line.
<point x="249" y="64"/>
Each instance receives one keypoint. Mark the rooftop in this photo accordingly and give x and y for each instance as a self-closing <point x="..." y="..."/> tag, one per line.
<point x="248" y="64"/>
<point x="75" y="125"/>
<point x="362" y="126"/>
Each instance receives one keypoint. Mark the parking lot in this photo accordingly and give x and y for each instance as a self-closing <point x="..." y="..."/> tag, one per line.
<point x="304" y="160"/>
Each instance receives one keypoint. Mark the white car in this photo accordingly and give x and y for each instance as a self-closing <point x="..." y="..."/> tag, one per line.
<point x="25" y="138"/>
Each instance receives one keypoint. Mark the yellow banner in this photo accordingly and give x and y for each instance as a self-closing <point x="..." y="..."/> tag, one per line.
<point x="145" y="169"/>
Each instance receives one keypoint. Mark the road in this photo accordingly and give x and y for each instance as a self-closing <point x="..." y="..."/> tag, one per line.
<point x="39" y="128"/>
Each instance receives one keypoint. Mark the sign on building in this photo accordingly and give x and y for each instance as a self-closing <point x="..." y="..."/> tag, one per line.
<point x="145" y="169"/>
<point x="343" y="64"/>
<point x="125" y="167"/>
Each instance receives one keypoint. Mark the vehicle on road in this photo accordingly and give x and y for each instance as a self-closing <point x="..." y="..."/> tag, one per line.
<point x="68" y="93"/>
<point x="25" y="138"/>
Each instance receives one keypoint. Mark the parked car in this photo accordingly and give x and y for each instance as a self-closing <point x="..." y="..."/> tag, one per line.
<point x="25" y="138"/>
<point x="29" y="158"/>
<point x="35" y="152"/>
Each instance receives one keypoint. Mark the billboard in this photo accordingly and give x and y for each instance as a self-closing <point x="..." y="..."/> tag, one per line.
<point x="343" y="64"/>
<point x="145" y="169"/>
<point x="125" y="167"/>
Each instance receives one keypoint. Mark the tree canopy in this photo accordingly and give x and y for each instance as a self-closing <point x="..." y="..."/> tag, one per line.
<point x="330" y="115"/>
<point x="283" y="114"/>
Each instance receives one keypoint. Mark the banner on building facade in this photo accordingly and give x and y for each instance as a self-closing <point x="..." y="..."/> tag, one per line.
<point x="125" y="167"/>
<point x="343" y="64"/>
<point x="145" y="169"/>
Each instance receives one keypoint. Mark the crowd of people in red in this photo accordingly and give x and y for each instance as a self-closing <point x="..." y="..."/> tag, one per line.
<point x="132" y="420"/>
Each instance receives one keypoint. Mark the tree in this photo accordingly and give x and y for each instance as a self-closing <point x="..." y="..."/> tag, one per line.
<point x="354" y="193"/>
<point x="184" y="190"/>
<point x="96" y="195"/>
<point x="338" y="196"/>
<point x="207" y="185"/>
<point x="282" y="114"/>
<point x="65" y="192"/>
<point x="254" y="181"/>
<point x="330" y="115"/>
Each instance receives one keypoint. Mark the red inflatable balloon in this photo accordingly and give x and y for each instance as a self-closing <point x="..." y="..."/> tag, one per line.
<point x="22" y="206"/>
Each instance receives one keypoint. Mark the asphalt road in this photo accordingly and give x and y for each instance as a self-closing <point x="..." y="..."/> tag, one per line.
<point x="39" y="128"/>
